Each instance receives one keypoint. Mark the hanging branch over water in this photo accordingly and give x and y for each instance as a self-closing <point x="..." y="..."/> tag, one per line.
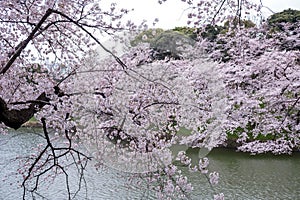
<point x="14" y="118"/>
<point x="51" y="158"/>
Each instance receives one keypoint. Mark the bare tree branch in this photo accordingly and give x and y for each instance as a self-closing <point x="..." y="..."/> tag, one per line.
<point x="49" y="158"/>
<point x="221" y="6"/>
<point x="14" y="118"/>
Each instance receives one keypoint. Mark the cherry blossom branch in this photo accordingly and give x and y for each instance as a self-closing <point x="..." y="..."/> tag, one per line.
<point x="41" y="167"/>
<point x="24" y="43"/>
<point x="218" y="11"/>
<point x="289" y="110"/>
<point x="14" y="118"/>
<point x="92" y="36"/>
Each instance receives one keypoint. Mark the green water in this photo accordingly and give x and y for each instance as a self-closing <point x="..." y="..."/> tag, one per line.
<point x="242" y="176"/>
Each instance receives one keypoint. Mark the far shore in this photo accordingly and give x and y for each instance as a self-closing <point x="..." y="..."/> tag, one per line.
<point x="32" y="124"/>
<point x="230" y="144"/>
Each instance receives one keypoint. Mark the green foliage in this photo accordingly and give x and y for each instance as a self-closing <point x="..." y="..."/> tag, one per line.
<point x="262" y="104"/>
<point x="238" y="22"/>
<point x="234" y="134"/>
<point x="211" y="32"/>
<point x="262" y="137"/>
<point x="152" y="35"/>
<point x="290" y="94"/>
<point x="237" y="106"/>
<point x="146" y="36"/>
<point x="248" y="23"/>
<point x="166" y="43"/>
<point x="33" y="119"/>
<point x="168" y="39"/>
<point x="190" y="32"/>
<point x="286" y="16"/>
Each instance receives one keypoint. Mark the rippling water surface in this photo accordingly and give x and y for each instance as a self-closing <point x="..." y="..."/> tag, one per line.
<point x="242" y="176"/>
<point x="253" y="177"/>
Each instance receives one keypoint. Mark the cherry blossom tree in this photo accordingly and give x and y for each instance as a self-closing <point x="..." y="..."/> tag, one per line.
<point x="262" y="81"/>
<point x="41" y="43"/>
<point x="46" y="72"/>
<point x="129" y="109"/>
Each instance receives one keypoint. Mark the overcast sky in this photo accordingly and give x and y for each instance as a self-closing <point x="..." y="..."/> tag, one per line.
<point x="171" y="14"/>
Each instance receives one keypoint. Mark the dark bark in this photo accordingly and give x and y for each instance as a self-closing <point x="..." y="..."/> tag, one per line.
<point x="24" y="43"/>
<point x="15" y="118"/>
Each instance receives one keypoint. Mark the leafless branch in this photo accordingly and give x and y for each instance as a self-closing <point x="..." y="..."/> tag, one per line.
<point x="49" y="159"/>
<point x="221" y="6"/>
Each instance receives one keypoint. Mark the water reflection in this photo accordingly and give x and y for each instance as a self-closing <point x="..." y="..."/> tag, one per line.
<point x="242" y="176"/>
<point x="253" y="177"/>
<point x="105" y="183"/>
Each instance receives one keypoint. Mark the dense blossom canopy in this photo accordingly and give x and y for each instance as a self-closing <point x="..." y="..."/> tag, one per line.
<point x="242" y="85"/>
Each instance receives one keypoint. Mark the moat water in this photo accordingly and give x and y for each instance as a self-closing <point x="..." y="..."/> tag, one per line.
<point x="242" y="176"/>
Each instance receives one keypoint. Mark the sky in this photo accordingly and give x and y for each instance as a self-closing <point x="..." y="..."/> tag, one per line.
<point x="171" y="13"/>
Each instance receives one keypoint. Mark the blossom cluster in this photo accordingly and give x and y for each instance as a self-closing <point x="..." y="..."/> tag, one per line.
<point x="130" y="109"/>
